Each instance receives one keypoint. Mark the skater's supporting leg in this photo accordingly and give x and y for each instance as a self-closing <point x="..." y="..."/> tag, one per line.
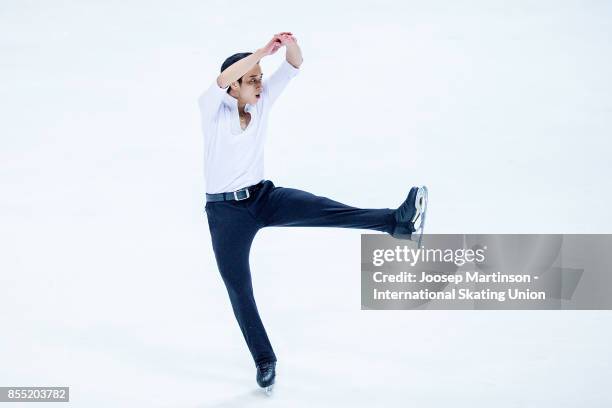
<point x="291" y="207"/>
<point x="232" y="230"/>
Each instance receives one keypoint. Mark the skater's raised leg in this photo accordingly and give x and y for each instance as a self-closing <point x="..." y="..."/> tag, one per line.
<point x="283" y="206"/>
<point x="292" y="207"/>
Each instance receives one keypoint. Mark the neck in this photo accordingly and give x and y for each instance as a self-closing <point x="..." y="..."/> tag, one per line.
<point x="241" y="106"/>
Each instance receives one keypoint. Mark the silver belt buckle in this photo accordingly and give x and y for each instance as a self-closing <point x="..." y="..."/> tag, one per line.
<point x="240" y="199"/>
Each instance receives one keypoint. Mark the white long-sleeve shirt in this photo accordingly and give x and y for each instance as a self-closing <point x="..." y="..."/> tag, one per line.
<point x="234" y="158"/>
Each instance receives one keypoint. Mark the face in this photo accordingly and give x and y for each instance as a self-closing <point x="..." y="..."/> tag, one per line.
<point x="249" y="91"/>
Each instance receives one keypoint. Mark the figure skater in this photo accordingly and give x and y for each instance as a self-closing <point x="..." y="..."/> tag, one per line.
<point x="240" y="201"/>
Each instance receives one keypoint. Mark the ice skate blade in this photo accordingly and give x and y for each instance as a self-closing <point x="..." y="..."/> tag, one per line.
<point x="420" y="203"/>
<point x="268" y="390"/>
<point x="423" y="202"/>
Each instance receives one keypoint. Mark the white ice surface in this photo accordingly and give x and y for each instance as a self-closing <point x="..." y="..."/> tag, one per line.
<point x="107" y="278"/>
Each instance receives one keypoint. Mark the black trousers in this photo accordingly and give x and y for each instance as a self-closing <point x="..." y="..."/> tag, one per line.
<point x="233" y="225"/>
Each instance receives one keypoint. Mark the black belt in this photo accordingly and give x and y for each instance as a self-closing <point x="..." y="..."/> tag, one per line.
<point x="237" y="195"/>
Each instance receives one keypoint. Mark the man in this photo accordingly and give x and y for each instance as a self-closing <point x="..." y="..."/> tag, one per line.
<point x="240" y="201"/>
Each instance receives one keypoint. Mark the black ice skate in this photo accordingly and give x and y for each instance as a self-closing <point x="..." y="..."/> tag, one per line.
<point x="410" y="216"/>
<point x="266" y="373"/>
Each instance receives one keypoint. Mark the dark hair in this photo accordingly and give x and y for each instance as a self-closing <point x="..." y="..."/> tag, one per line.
<point x="231" y="60"/>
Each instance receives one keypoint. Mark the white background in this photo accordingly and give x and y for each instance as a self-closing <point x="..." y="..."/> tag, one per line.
<point x="108" y="282"/>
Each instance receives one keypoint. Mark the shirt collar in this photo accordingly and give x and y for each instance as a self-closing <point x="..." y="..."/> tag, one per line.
<point x="233" y="102"/>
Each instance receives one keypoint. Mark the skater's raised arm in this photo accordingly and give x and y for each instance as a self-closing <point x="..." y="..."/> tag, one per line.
<point x="294" y="53"/>
<point x="288" y="69"/>
<point x="241" y="67"/>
